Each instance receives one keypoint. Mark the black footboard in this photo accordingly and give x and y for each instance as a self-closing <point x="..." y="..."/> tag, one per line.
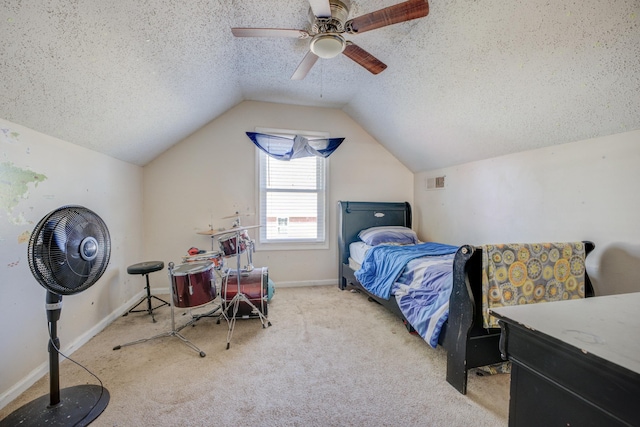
<point x="468" y="345"/>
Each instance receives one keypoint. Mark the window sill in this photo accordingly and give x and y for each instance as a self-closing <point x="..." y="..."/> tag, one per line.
<point x="291" y="246"/>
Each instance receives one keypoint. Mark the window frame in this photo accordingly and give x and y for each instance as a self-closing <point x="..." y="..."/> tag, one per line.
<point x="290" y="244"/>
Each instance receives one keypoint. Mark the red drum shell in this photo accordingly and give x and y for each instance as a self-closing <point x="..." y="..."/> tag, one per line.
<point x="253" y="285"/>
<point x="193" y="284"/>
<point x="228" y="244"/>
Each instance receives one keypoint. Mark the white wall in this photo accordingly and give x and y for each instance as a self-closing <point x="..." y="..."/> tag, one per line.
<point x="211" y="174"/>
<point x="74" y="175"/>
<point x="586" y="190"/>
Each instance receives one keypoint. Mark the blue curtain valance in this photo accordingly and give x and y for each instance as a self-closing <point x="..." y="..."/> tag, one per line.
<point x="287" y="148"/>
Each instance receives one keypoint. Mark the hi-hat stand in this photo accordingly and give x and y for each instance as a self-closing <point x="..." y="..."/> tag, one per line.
<point x="239" y="296"/>
<point x="173" y="332"/>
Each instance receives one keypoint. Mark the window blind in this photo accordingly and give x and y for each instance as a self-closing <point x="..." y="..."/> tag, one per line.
<point x="292" y="199"/>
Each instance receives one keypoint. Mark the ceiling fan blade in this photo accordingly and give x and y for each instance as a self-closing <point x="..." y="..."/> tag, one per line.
<point x="364" y="58"/>
<point x="269" y="32"/>
<point x="406" y="11"/>
<point x="305" y="66"/>
<point x="320" y="8"/>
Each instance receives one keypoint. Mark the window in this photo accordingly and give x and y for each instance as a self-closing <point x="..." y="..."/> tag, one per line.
<point x="292" y="194"/>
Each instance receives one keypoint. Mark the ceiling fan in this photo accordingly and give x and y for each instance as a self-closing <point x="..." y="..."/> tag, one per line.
<point x="329" y="22"/>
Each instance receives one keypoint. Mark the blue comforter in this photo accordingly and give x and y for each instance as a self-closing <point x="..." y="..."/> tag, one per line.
<point x="383" y="264"/>
<point x="422" y="292"/>
<point x="419" y="276"/>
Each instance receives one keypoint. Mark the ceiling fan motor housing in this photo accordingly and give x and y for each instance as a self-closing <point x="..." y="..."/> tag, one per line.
<point x="328" y="42"/>
<point x="335" y="23"/>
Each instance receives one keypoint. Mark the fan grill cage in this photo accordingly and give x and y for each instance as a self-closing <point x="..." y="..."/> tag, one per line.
<point x="54" y="250"/>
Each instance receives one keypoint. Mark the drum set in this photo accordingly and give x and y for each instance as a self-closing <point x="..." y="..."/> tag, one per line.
<point x="243" y="293"/>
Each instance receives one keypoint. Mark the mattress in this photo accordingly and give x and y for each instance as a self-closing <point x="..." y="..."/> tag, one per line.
<point x="357" y="252"/>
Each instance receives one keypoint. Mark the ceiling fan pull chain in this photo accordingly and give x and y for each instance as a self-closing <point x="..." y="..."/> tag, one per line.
<point x="321" y="78"/>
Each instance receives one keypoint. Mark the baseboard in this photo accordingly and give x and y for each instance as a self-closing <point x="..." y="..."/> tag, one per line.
<point x="294" y="284"/>
<point x="303" y="283"/>
<point x="22" y="385"/>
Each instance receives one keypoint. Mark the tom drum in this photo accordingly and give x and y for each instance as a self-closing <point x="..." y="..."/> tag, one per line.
<point x="233" y="243"/>
<point x="194" y="284"/>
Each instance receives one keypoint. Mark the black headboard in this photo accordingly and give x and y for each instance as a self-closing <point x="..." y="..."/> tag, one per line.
<point x="356" y="216"/>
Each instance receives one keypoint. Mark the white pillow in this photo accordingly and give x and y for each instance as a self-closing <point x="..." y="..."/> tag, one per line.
<point x="388" y="234"/>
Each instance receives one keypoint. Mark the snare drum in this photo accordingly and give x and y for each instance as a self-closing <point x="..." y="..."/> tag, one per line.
<point x="214" y="257"/>
<point x="230" y="246"/>
<point x="194" y="284"/>
<point x="254" y="285"/>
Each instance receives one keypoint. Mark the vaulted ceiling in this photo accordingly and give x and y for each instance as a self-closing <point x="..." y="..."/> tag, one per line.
<point x="472" y="80"/>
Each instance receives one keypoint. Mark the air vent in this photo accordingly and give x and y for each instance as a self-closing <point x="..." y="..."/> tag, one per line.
<point x="435" y="183"/>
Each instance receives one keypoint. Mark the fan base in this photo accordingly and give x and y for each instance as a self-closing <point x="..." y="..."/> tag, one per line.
<point x="79" y="405"/>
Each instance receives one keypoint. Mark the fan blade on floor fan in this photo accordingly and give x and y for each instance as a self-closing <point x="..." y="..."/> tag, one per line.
<point x="269" y="32"/>
<point x="305" y="66"/>
<point x="364" y="58"/>
<point x="402" y="12"/>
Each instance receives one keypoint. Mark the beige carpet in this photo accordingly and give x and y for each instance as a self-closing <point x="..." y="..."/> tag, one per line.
<point x="330" y="358"/>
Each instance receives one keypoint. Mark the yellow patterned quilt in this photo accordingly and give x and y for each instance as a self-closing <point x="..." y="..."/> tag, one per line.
<point x="526" y="273"/>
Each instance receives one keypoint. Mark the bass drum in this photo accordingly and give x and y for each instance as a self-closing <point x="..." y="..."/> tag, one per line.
<point x="253" y="284"/>
<point x="194" y="284"/>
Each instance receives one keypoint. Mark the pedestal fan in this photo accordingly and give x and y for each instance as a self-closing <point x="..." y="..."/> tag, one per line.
<point x="68" y="252"/>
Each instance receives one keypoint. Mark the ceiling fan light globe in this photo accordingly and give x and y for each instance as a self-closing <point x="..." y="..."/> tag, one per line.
<point x="327" y="45"/>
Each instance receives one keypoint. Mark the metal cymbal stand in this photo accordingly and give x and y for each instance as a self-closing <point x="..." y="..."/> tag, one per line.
<point x="250" y="249"/>
<point x="250" y="243"/>
<point x="239" y="297"/>
<point x="173" y="332"/>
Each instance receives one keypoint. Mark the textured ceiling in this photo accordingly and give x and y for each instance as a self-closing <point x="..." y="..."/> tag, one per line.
<point x="472" y="80"/>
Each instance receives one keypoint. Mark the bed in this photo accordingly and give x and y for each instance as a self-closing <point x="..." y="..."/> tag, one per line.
<point x="462" y="331"/>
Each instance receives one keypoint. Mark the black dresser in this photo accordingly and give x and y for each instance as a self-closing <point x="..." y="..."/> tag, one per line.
<point x="574" y="363"/>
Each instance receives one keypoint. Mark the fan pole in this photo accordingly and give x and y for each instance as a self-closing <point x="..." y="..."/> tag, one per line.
<point x="54" y="307"/>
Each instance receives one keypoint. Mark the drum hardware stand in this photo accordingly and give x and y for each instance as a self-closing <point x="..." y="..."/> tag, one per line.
<point x="239" y="296"/>
<point x="250" y="249"/>
<point x="147" y="298"/>
<point x="197" y="317"/>
<point x="173" y="332"/>
<point x="250" y="243"/>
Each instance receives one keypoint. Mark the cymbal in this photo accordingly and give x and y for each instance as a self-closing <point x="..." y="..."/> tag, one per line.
<point x="242" y="227"/>
<point x="207" y="232"/>
<point x="235" y="215"/>
<point x="214" y="233"/>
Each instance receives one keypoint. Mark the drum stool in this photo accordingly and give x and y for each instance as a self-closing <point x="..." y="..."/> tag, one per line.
<point x="145" y="268"/>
